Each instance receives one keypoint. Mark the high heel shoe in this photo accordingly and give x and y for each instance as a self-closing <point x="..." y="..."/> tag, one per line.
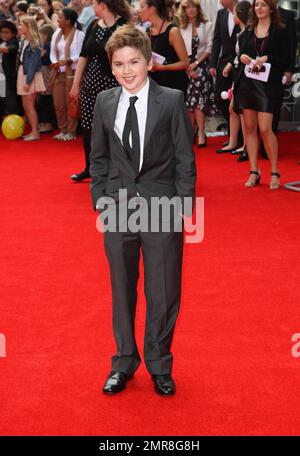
<point x="275" y="185"/>
<point x="251" y="183"/>
<point x="199" y="145"/>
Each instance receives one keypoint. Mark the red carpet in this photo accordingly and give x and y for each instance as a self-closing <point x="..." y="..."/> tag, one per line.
<point x="233" y="366"/>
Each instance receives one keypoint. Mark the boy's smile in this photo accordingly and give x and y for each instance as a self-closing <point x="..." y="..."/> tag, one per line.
<point x="130" y="68"/>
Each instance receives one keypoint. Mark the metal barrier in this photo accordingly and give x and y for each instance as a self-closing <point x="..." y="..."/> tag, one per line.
<point x="294" y="186"/>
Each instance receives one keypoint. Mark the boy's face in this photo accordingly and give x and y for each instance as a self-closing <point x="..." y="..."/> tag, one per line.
<point x="130" y="68"/>
<point x="6" y="34"/>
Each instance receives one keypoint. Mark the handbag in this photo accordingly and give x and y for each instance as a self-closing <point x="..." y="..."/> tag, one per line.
<point x="74" y="108"/>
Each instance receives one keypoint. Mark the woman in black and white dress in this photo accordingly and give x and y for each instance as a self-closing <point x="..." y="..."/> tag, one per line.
<point x="93" y="72"/>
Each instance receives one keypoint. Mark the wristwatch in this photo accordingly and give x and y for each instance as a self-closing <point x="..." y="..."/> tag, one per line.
<point x="197" y="61"/>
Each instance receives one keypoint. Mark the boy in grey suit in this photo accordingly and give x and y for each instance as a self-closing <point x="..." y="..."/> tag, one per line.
<point x="142" y="144"/>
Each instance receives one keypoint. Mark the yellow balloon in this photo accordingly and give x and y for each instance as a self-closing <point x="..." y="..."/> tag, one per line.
<point x="13" y="126"/>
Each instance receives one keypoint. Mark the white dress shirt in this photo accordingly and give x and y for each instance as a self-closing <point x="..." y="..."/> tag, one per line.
<point x="75" y="48"/>
<point x="230" y="22"/>
<point x="141" y="106"/>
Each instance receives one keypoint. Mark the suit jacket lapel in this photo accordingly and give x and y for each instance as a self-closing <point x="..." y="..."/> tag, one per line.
<point x="153" y="109"/>
<point x="111" y="111"/>
<point x="112" y="106"/>
<point x="225" y="25"/>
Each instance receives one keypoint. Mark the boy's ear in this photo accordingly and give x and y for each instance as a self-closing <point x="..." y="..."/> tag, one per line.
<point x="150" y="65"/>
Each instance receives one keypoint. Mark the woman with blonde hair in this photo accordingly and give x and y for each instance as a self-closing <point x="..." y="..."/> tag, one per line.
<point x="263" y="44"/>
<point x="197" y="33"/>
<point x="30" y="78"/>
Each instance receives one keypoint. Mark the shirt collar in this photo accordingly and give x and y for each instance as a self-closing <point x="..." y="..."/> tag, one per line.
<point x="141" y="94"/>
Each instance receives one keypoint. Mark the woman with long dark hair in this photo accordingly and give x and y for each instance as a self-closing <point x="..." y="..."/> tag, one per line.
<point x="265" y="41"/>
<point x="93" y="73"/>
<point x="167" y="43"/>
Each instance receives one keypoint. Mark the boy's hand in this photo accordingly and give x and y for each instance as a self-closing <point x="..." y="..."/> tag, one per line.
<point x="288" y="75"/>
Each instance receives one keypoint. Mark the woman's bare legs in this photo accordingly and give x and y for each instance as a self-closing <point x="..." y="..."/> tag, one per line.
<point x="234" y="122"/>
<point x="200" y="120"/>
<point x="192" y="119"/>
<point x="30" y="111"/>
<point x="242" y="149"/>
<point x="265" y="120"/>
<point x="252" y="143"/>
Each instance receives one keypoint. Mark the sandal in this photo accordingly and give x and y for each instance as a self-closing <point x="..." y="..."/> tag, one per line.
<point x="253" y="183"/>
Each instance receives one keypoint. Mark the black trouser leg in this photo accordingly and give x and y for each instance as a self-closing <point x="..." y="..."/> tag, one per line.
<point x="222" y="85"/>
<point x="162" y="255"/>
<point x="86" y="136"/>
<point x="45" y="109"/>
<point x="123" y="254"/>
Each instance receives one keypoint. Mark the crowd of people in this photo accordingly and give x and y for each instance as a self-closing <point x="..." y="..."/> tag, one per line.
<point x="52" y="53"/>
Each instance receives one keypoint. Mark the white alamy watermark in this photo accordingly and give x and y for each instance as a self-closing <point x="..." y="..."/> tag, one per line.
<point x="156" y="214"/>
<point x="296" y="347"/>
<point x="2" y="86"/>
<point x="2" y="346"/>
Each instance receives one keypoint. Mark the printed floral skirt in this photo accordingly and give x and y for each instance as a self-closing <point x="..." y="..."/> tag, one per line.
<point x="200" y="92"/>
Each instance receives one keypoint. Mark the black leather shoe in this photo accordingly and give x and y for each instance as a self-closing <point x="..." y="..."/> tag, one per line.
<point x="243" y="157"/>
<point x="80" y="176"/>
<point x="164" y="385"/>
<point x="199" y="145"/>
<point x="224" y="151"/>
<point x="237" y="152"/>
<point x="116" y="382"/>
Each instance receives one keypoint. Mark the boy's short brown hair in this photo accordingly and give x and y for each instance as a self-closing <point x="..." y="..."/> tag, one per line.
<point x="129" y="35"/>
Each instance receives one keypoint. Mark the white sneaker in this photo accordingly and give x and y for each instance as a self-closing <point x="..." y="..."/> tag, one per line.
<point x="69" y="137"/>
<point x="59" y="136"/>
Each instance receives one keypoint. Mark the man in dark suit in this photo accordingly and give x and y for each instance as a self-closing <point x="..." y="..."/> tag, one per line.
<point x="223" y="51"/>
<point x="142" y="142"/>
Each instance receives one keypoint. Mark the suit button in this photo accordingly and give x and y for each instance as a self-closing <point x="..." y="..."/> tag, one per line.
<point x="136" y="180"/>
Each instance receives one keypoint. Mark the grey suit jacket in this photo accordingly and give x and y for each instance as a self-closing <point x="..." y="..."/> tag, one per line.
<point x="168" y="166"/>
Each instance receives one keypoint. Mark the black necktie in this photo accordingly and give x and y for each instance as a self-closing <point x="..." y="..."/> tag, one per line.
<point x="131" y="125"/>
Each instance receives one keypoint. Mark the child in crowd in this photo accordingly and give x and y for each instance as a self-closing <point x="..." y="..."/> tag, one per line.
<point x="30" y="79"/>
<point x="45" y="107"/>
<point x="8" y="70"/>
